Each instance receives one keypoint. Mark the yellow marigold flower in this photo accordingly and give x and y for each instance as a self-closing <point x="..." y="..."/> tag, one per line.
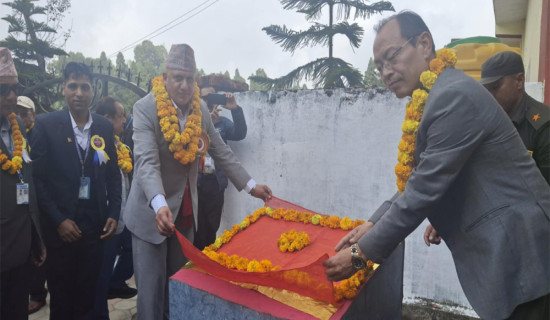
<point x="346" y="223"/>
<point x="253" y="266"/>
<point x="405" y="158"/>
<point x="410" y="126"/>
<point x="437" y="65"/>
<point x="427" y="78"/>
<point x="244" y="224"/>
<point x="420" y="95"/>
<point x="265" y="265"/>
<point x="447" y="56"/>
<point x="316" y="219"/>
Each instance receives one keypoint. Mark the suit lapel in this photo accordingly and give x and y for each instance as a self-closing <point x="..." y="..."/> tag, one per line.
<point x="68" y="140"/>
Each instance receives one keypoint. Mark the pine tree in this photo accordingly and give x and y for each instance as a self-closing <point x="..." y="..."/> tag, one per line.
<point x="372" y="76"/>
<point x="256" y="86"/>
<point x="238" y="77"/>
<point x="32" y="42"/>
<point x="329" y="71"/>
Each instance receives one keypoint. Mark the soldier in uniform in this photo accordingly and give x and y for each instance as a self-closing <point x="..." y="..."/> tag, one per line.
<point x="504" y="76"/>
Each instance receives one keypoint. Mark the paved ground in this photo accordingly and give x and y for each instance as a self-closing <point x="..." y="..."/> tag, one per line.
<point x="119" y="309"/>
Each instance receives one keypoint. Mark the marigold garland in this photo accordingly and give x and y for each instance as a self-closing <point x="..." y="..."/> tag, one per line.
<point x="184" y="145"/>
<point x="16" y="163"/>
<point x="345" y="289"/>
<point x="445" y="58"/>
<point x="123" y="154"/>
<point x="292" y="241"/>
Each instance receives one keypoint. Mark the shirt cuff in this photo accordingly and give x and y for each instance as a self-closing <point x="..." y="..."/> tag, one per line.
<point x="249" y="185"/>
<point x="158" y="202"/>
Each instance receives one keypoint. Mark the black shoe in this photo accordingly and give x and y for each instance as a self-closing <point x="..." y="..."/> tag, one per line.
<point x="122" y="292"/>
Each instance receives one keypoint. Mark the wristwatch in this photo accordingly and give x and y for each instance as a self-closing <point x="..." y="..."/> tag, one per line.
<point x="356" y="260"/>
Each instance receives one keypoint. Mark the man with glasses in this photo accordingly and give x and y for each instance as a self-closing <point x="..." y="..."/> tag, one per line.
<point x="79" y="194"/>
<point x="19" y="231"/>
<point x="471" y="177"/>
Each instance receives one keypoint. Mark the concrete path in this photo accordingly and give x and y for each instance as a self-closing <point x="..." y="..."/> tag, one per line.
<point x="119" y="309"/>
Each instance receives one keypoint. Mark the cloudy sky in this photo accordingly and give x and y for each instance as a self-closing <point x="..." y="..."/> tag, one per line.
<point x="227" y="34"/>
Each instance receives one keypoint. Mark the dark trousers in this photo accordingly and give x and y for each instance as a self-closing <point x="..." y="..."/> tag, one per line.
<point x="71" y="272"/>
<point x="538" y="309"/>
<point x="14" y="293"/>
<point x="38" y="291"/>
<point x="210" y="207"/>
<point x="111" y="275"/>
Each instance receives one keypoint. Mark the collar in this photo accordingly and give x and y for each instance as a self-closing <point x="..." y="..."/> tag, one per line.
<point x="86" y="126"/>
<point x="5" y="124"/>
<point x="521" y="109"/>
<point x="178" y="108"/>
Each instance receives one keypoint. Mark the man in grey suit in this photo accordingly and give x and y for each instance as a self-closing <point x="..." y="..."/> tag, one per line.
<point x="163" y="195"/>
<point x="473" y="179"/>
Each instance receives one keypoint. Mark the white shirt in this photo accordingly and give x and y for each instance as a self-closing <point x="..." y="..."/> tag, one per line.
<point x="82" y="137"/>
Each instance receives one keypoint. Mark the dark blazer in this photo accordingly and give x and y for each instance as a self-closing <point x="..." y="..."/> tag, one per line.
<point x="18" y="223"/>
<point x="229" y="130"/>
<point x="57" y="172"/>
<point x="481" y="190"/>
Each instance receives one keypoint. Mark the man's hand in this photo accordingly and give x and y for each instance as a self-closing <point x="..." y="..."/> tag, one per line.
<point x="164" y="221"/>
<point x="39" y="260"/>
<point x="261" y="191"/>
<point x="339" y="267"/>
<point x="69" y="231"/>
<point x="431" y="236"/>
<point x="109" y="229"/>
<point x="215" y="115"/>
<point x="353" y="236"/>
<point x="231" y="102"/>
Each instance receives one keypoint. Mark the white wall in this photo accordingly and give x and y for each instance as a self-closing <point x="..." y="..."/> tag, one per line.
<point x="334" y="153"/>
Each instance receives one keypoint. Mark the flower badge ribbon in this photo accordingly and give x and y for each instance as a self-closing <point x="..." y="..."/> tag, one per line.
<point x="98" y="144"/>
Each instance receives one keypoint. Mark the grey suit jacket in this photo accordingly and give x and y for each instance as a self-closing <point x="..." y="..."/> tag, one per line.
<point x="157" y="172"/>
<point x="480" y="189"/>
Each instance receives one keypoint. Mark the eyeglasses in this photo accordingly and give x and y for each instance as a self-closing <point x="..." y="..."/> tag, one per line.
<point x="5" y="89"/>
<point x="388" y="63"/>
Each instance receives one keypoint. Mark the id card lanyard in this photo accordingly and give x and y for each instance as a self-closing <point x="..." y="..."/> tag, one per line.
<point x="21" y="190"/>
<point x="84" y="190"/>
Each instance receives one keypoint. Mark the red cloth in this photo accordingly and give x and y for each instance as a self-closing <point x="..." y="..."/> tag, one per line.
<point x="259" y="241"/>
<point x="186" y="209"/>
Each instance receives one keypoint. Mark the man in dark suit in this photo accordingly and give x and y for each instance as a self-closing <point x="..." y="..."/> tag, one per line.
<point x="212" y="181"/>
<point x="472" y="178"/>
<point x="79" y="192"/>
<point x="19" y="230"/>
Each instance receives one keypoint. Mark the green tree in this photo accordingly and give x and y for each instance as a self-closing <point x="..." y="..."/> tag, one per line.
<point x="372" y="76"/>
<point x="150" y="60"/>
<point x="201" y="73"/>
<point x="227" y="74"/>
<point x="255" y="85"/>
<point x="238" y="77"/>
<point x="32" y="43"/>
<point x="330" y="71"/>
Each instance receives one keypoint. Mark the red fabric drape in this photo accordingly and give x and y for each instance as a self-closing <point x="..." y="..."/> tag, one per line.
<point x="302" y="271"/>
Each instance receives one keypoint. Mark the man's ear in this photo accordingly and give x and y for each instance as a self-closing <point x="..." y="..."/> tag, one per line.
<point x="520" y="80"/>
<point x="425" y="42"/>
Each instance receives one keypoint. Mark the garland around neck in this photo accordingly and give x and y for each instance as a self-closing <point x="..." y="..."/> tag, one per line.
<point x="184" y="145"/>
<point x="123" y="154"/>
<point x="445" y="58"/>
<point x="16" y="163"/>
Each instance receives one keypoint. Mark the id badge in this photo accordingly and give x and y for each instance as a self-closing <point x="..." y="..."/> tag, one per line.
<point x="22" y="193"/>
<point x="84" y="191"/>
